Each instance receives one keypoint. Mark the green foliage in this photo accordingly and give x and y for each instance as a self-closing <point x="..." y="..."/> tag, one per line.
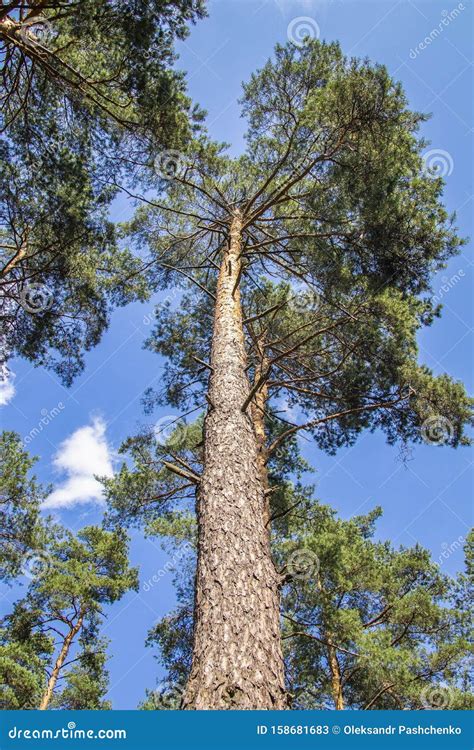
<point x="346" y="124"/>
<point x="86" y="682"/>
<point x="399" y="627"/>
<point x="399" y="638"/>
<point x="20" y="498"/>
<point x="90" y="93"/>
<point x="78" y="576"/>
<point x="113" y="59"/>
<point x="343" y="230"/>
<point x="85" y="571"/>
<point x="25" y="654"/>
<point x="66" y="263"/>
<point x="147" y="492"/>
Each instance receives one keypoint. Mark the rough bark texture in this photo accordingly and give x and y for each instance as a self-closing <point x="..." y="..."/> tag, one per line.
<point x="237" y="654"/>
<point x="48" y="693"/>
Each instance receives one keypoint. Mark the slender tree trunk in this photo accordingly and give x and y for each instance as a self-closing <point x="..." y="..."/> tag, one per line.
<point x="48" y="693"/>
<point x="333" y="661"/>
<point x="336" y="680"/>
<point x="237" y="654"/>
<point x="258" y="418"/>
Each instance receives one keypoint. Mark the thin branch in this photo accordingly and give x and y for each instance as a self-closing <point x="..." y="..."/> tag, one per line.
<point x="338" y="415"/>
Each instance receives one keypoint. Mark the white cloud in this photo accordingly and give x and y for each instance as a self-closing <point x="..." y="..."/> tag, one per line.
<point x="7" y="389"/>
<point x="82" y="455"/>
<point x="293" y="6"/>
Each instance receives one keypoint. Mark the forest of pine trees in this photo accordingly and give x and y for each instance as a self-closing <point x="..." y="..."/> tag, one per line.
<point x="304" y="271"/>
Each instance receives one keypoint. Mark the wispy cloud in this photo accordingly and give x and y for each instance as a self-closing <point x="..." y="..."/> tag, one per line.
<point x="7" y="389"/>
<point x="291" y="6"/>
<point x="81" y="456"/>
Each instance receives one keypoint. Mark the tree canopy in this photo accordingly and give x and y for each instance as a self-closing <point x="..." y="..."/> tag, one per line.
<point x="304" y="268"/>
<point x="302" y="272"/>
<point x="89" y="92"/>
<point x="342" y="230"/>
<point x="115" y="59"/>
<point x="20" y="498"/>
<point x="64" y="605"/>
<point x="366" y="625"/>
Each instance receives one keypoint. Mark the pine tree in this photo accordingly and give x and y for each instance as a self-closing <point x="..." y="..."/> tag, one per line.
<point x="25" y="655"/>
<point x="332" y="200"/>
<point x="64" y="607"/>
<point x="89" y="93"/>
<point x="60" y="255"/>
<point x="371" y="626"/>
<point x="365" y="625"/>
<point x="20" y="498"/>
<point x="115" y="59"/>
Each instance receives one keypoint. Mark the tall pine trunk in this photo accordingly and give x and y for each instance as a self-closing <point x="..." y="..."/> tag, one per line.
<point x="237" y="655"/>
<point x="336" y="679"/>
<point x="62" y="656"/>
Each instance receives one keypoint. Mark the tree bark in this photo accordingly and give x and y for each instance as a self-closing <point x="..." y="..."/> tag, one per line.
<point x="333" y="661"/>
<point x="48" y="693"/>
<point x="237" y="655"/>
<point x="257" y="410"/>
<point x="336" y="680"/>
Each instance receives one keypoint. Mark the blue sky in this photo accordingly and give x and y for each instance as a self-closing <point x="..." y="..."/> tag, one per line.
<point x="428" y="47"/>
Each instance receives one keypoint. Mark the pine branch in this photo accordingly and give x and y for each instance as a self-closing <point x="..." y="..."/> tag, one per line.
<point x="181" y="472"/>
<point x="338" y="415"/>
